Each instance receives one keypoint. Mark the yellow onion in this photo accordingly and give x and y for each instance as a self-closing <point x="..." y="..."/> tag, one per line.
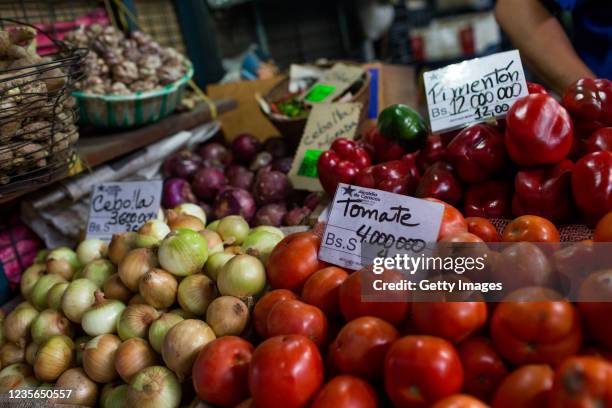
<point x="50" y="323"/>
<point x="269" y="228"/>
<point x="213" y="226"/>
<point x="227" y="316"/>
<point x="11" y="353"/>
<point x="63" y="261"/>
<point x="135" y="321"/>
<point x="234" y="249"/>
<point x="84" y="390"/>
<point x="13" y="376"/>
<point x="115" y="289"/>
<point x="191" y="209"/>
<point x="78" y="297"/>
<point x="40" y="292"/>
<point x="99" y="356"/>
<point x="195" y="293"/>
<point x="41" y="256"/>
<point x="135" y="264"/>
<point x="158" y="288"/>
<point x="242" y="276"/>
<point x="79" y="345"/>
<point x="159" y="328"/>
<point x="114" y="396"/>
<point x="183" y="313"/>
<point x="54" y="298"/>
<point x="154" y="387"/>
<point x="151" y="233"/>
<point x="215" y="262"/>
<point x="132" y="356"/>
<point x="54" y="356"/>
<point x="182" y="344"/>
<point x="91" y="249"/>
<point x="29" y="277"/>
<point x="215" y="243"/>
<point x="16" y="326"/>
<point x="260" y="243"/>
<point x="102" y="317"/>
<point x="98" y="271"/>
<point x="184" y="252"/>
<point x="178" y="221"/>
<point x="120" y="245"/>
<point x="137" y="299"/>
<point x="30" y="353"/>
<point x="233" y="229"/>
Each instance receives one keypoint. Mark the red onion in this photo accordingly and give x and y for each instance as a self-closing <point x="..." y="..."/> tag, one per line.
<point x="270" y="214"/>
<point x="207" y="182"/>
<point x="271" y="187"/>
<point x="215" y="154"/>
<point x="282" y="165"/>
<point x="297" y="216"/>
<point x="245" y="147"/>
<point x="261" y="160"/>
<point x="234" y="201"/>
<point x="277" y="147"/>
<point x="312" y="200"/>
<point x="240" y="177"/>
<point x="176" y="191"/>
<point x="183" y="164"/>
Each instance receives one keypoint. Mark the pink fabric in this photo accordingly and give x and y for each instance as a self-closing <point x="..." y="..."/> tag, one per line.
<point x="18" y="248"/>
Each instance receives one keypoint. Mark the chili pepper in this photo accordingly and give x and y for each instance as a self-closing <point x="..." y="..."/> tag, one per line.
<point x="341" y="164"/>
<point x="589" y="102"/>
<point x="404" y="126"/>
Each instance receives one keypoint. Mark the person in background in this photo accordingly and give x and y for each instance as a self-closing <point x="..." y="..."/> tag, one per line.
<point x="547" y="49"/>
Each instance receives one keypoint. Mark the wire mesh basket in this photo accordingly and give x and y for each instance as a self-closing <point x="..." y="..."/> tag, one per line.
<point x="37" y="113"/>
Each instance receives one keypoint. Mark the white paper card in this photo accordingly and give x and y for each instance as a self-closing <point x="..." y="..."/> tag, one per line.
<point x="359" y="216"/>
<point x="474" y="91"/>
<point x="122" y="206"/>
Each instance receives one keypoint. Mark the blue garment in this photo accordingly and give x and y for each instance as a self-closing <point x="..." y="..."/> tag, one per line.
<point x="592" y="33"/>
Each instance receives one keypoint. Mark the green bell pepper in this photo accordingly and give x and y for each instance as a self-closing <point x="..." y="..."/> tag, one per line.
<point x="403" y="125"/>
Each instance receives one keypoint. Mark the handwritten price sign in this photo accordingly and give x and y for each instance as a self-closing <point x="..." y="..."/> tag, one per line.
<point x="474" y="91"/>
<point x="125" y="206"/>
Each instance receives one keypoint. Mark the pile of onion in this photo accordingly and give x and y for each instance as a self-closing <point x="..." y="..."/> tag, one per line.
<point x="182" y="344"/>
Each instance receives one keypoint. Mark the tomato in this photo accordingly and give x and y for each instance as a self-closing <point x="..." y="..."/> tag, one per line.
<point x="462" y="236"/>
<point x="352" y="306"/>
<point x="460" y="401"/>
<point x="452" y="220"/>
<point x="482" y="228"/>
<point x="285" y="372"/>
<point x="603" y="230"/>
<point x="293" y="260"/>
<point x="582" y="382"/>
<point x="453" y="321"/>
<point x="484" y="368"/>
<point x="530" y="228"/>
<point x="598" y="286"/>
<point x="265" y="304"/>
<point x="360" y="347"/>
<point x="527" y="387"/>
<point x="248" y="403"/>
<point x="346" y="391"/>
<point x="420" y="370"/>
<point x="295" y="317"/>
<point x="532" y="332"/>
<point x="322" y="290"/>
<point x="220" y="372"/>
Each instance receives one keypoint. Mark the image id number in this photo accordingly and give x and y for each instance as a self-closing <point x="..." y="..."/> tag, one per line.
<point x="40" y="394"/>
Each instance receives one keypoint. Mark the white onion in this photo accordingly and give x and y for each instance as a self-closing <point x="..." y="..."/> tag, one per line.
<point x="98" y="271"/>
<point x="213" y="226"/>
<point x="195" y="293"/>
<point x="191" y="209"/>
<point x="114" y="396"/>
<point x="102" y="317"/>
<point x="78" y="297"/>
<point x="233" y="229"/>
<point x="215" y="243"/>
<point x="135" y="264"/>
<point x="260" y="244"/>
<point x="99" y="358"/>
<point x="183" y="252"/>
<point x="182" y="344"/>
<point x="186" y="221"/>
<point x="13" y="375"/>
<point x="16" y="326"/>
<point x="40" y="292"/>
<point x="132" y="356"/>
<point x="151" y="233"/>
<point x="11" y="353"/>
<point x="50" y="323"/>
<point x="160" y="327"/>
<point x="91" y="249"/>
<point x="242" y="276"/>
<point x="54" y="357"/>
<point x="154" y="387"/>
<point x="54" y="298"/>
<point x="158" y="288"/>
<point x="63" y="261"/>
<point x="29" y="277"/>
<point x="215" y="262"/>
<point x="135" y="321"/>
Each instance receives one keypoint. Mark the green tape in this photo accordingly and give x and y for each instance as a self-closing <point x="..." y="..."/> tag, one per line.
<point x="308" y="168"/>
<point x="319" y="93"/>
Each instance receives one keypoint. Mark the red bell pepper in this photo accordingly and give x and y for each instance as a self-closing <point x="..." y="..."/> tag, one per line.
<point x="538" y="131"/>
<point x="589" y="101"/>
<point x="545" y="191"/>
<point x="490" y="199"/>
<point x="433" y="151"/>
<point x="396" y="176"/>
<point x="601" y="140"/>
<point x="592" y="185"/>
<point x="534" y="88"/>
<point x="439" y="181"/>
<point x="341" y="164"/>
<point x="384" y="149"/>
<point x="477" y="153"/>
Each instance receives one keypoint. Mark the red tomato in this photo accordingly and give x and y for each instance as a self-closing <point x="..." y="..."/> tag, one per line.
<point x="352" y="305"/>
<point x="293" y="260"/>
<point x="322" y="290"/>
<point x="294" y="317"/>
<point x="265" y="304"/>
<point x="527" y="387"/>
<point x="346" y="391"/>
<point x="460" y="401"/>
<point x="453" y="321"/>
<point x="482" y="228"/>
<point x="531" y="228"/>
<point x="582" y="382"/>
<point x="361" y="346"/>
<point x="285" y="372"/>
<point x="248" y="403"/>
<point x="533" y="332"/>
<point x="420" y="370"/>
<point x="603" y="230"/>
<point x="484" y="368"/>
<point x="220" y="373"/>
<point x="452" y="220"/>
<point x="597" y="286"/>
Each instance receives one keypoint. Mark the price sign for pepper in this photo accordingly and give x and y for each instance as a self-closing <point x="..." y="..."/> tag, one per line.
<point x="364" y="217"/>
<point x="122" y="206"/>
<point x="474" y="91"/>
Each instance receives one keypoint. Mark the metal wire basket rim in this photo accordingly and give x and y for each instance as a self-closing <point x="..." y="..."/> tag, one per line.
<point x="136" y="96"/>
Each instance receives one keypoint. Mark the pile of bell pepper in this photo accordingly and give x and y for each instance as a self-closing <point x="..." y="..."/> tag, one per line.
<point x="546" y="158"/>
